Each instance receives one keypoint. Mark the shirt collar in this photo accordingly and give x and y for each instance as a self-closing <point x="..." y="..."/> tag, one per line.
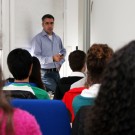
<point x="80" y="74"/>
<point x="45" y="34"/>
<point x="19" y="86"/>
<point x="20" y="83"/>
<point x="92" y="91"/>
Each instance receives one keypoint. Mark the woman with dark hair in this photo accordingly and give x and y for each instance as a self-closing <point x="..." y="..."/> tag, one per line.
<point x="35" y="77"/>
<point x="14" y="121"/>
<point x="114" y="110"/>
<point x="97" y="58"/>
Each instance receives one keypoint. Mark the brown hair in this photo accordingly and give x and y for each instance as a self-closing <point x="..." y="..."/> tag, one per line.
<point x="97" y="58"/>
<point x="113" y="112"/>
<point x="7" y="110"/>
<point x="77" y="60"/>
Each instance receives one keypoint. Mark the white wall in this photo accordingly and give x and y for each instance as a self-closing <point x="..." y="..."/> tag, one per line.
<point x="113" y="22"/>
<point x="5" y="34"/>
<point x="28" y="15"/>
<point x="21" y="20"/>
<point x="1" y="36"/>
<point x="71" y="24"/>
<point x="80" y="23"/>
<point x="70" y="30"/>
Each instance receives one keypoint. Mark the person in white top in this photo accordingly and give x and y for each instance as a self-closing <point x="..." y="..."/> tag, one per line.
<point x="114" y="110"/>
<point x="77" y="63"/>
<point x="97" y="58"/>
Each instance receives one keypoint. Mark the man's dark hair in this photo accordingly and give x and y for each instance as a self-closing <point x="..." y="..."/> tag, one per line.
<point x="77" y="60"/>
<point x="19" y="63"/>
<point x="47" y="16"/>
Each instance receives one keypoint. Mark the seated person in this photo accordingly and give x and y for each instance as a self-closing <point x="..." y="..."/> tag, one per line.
<point x="69" y="95"/>
<point x="77" y="60"/>
<point x="20" y="65"/>
<point x="68" y="98"/>
<point x="35" y="77"/>
<point x="13" y="119"/>
<point x="97" y="58"/>
<point x="113" y="112"/>
<point x="80" y="83"/>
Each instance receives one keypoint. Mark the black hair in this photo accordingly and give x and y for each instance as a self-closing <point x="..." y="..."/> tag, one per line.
<point x="77" y="60"/>
<point x="19" y="63"/>
<point x="35" y="76"/>
<point x="47" y="16"/>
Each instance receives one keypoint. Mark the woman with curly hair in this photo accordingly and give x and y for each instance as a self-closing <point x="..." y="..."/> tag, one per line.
<point x="97" y="58"/>
<point x="114" y="110"/>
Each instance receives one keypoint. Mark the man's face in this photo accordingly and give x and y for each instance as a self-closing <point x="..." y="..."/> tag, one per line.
<point x="48" y="24"/>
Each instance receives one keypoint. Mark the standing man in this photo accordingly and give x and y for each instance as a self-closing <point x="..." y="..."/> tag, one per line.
<point x="48" y="48"/>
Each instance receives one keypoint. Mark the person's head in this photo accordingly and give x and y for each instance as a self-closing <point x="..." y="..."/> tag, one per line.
<point x="114" y="109"/>
<point x="48" y="23"/>
<point x="7" y="110"/>
<point x="35" y="76"/>
<point x="19" y="63"/>
<point x="77" y="60"/>
<point x="98" y="56"/>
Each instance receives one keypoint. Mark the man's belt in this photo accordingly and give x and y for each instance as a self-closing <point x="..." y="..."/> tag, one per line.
<point x="51" y="69"/>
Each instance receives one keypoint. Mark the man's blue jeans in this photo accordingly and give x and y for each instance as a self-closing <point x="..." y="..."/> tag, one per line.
<point x="50" y="79"/>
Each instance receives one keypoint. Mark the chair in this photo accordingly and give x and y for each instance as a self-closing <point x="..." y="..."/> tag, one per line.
<point x="51" y="115"/>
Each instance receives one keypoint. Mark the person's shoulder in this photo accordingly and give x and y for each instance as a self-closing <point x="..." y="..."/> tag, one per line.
<point x="63" y="79"/>
<point x="39" y="35"/>
<point x="19" y="112"/>
<point x="79" y="83"/>
<point x="76" y="90"/>
<point x="38" y="89"/>
<point x="78" y="96"/>
<point x="40" y="93"/>
<point x="22" y="116"/>
<point x="69" y="80"/>
<point x="84" y="110"/>
<point x="78" y="123"/>
<point x="58" y="37"/>
<point x="26" y="120"/>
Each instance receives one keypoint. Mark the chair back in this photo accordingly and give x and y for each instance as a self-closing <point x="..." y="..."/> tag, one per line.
<point x="51" y="115"/>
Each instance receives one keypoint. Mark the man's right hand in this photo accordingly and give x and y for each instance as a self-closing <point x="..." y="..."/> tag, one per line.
<point x="57" y="57"/>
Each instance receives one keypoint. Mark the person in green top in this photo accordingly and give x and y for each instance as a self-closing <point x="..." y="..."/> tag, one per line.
<point x="20" y="65"/>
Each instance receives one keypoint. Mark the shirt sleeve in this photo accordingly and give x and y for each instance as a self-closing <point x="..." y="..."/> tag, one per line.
<point x="62" y="51"/>
<point x="40" y="94"/>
